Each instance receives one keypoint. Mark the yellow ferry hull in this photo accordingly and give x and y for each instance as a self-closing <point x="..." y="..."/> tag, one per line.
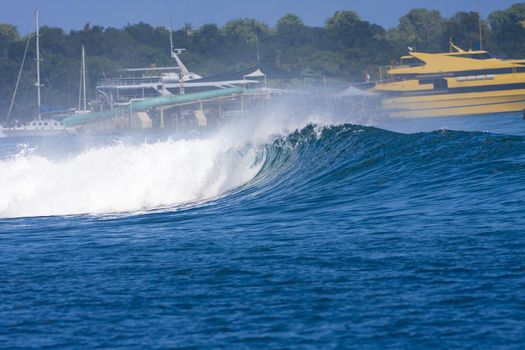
<point x="458" y="104"/>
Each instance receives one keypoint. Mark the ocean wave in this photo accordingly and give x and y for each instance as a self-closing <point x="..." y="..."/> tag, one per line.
<point x="351" y="168"/>
<point x="123" y="177"/>
<point x="310" y="160"/>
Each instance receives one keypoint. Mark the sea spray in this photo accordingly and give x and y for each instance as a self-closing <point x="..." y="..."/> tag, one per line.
<point x="123" y="177"/>
<point x="128" y="176"/>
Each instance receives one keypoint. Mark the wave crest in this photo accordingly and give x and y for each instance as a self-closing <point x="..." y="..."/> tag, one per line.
<point x="123" y="177"/>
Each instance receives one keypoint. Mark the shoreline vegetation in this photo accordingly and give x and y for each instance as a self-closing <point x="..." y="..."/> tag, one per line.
<point x="345" y="48"/>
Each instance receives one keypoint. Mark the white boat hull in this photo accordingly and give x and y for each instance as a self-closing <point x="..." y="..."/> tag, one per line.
<point x="37" y="128"/>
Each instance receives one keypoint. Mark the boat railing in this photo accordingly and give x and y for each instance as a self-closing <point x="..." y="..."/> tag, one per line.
<point x="110" y="82"/>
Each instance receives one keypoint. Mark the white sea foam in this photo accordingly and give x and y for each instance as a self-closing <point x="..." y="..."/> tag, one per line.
<point x="126" y="177"/>
<point x="123" y="177"/>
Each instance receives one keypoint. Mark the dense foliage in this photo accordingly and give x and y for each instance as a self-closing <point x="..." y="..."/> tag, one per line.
<point x="344" y="48"/>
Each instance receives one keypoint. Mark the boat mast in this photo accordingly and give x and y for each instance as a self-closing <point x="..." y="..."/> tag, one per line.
<point x="18" y="79"/>
<point x="175" y="55"/>
<point x="84" y="76"/>
<point x="38" y="85"/>
<point x="480" y="27"/>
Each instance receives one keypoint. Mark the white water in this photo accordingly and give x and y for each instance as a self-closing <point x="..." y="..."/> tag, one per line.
<point x="123" y="177"/>
<point x="132" y="177"/>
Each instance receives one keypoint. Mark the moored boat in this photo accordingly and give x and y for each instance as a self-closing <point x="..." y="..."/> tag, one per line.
<point x="455" y="83"/>
<point x="39" y="126"/>
<point x="36" y="128"/>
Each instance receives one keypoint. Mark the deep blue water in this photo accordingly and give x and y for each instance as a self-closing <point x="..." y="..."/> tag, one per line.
<point x="348" y="237"/>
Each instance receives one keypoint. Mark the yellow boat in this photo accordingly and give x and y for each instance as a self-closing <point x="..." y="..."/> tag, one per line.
<point x="455" y="83"/>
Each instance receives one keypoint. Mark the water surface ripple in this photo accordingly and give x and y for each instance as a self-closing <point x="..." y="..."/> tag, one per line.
<point x="348" y="237"/>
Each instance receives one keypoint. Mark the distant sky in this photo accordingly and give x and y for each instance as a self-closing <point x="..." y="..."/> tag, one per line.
<point x="73" y="14"/>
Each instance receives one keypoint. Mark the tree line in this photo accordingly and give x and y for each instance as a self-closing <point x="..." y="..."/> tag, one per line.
<point x="344" y="48"/>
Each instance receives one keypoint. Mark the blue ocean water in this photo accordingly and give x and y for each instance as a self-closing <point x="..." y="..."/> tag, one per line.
<point x="341" y="236"/>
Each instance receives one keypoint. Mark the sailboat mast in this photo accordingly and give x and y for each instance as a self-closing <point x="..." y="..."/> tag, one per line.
<point x="171" y="42"/>
<point x="84" y="76"/>
<point x="38" y="85"/>
<point x="480" y="27"/>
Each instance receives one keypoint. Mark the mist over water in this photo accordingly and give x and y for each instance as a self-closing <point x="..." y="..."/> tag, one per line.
<point x="126" y="174"/>
<point x="133" y="174"/>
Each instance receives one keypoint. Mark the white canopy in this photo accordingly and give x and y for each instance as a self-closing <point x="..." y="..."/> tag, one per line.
<point x="352" y="91"/>
<point x="256" y="74"/>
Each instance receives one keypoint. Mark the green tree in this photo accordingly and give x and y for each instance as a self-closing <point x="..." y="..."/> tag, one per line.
<point x="8" y="35"/>
<point x="422" y="29"/>
<point x="508" y="30"/>
<point x="343" y="27"/>
<point x="463" y="30"/>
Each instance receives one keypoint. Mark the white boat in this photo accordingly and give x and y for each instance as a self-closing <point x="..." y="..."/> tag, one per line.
<point x="136" y="84"/>
<point x="38" y="126"/>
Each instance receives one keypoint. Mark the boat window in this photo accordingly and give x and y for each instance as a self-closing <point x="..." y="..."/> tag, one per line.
<point x="439" y="84"/>
<point x="404" y="77"/>
<point x="412" y="62"/>
<point x="477" y="56"/>
<point x="483" y="71"/>
<point x="45" y="123"/>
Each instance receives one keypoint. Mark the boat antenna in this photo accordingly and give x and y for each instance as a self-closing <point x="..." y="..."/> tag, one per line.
<point x="171" y="33"/>
<point x="258" y="51"/>
<point x="84" y="76"/>
<point x="18" y="78"/>
<point x="171" y="30"/>
<point x="171" y="41"/>
<point x="480" y="27"/>
<point x="38" y="85"/>
<point x="175" y="55"/>
<point x="82" y="91"/>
